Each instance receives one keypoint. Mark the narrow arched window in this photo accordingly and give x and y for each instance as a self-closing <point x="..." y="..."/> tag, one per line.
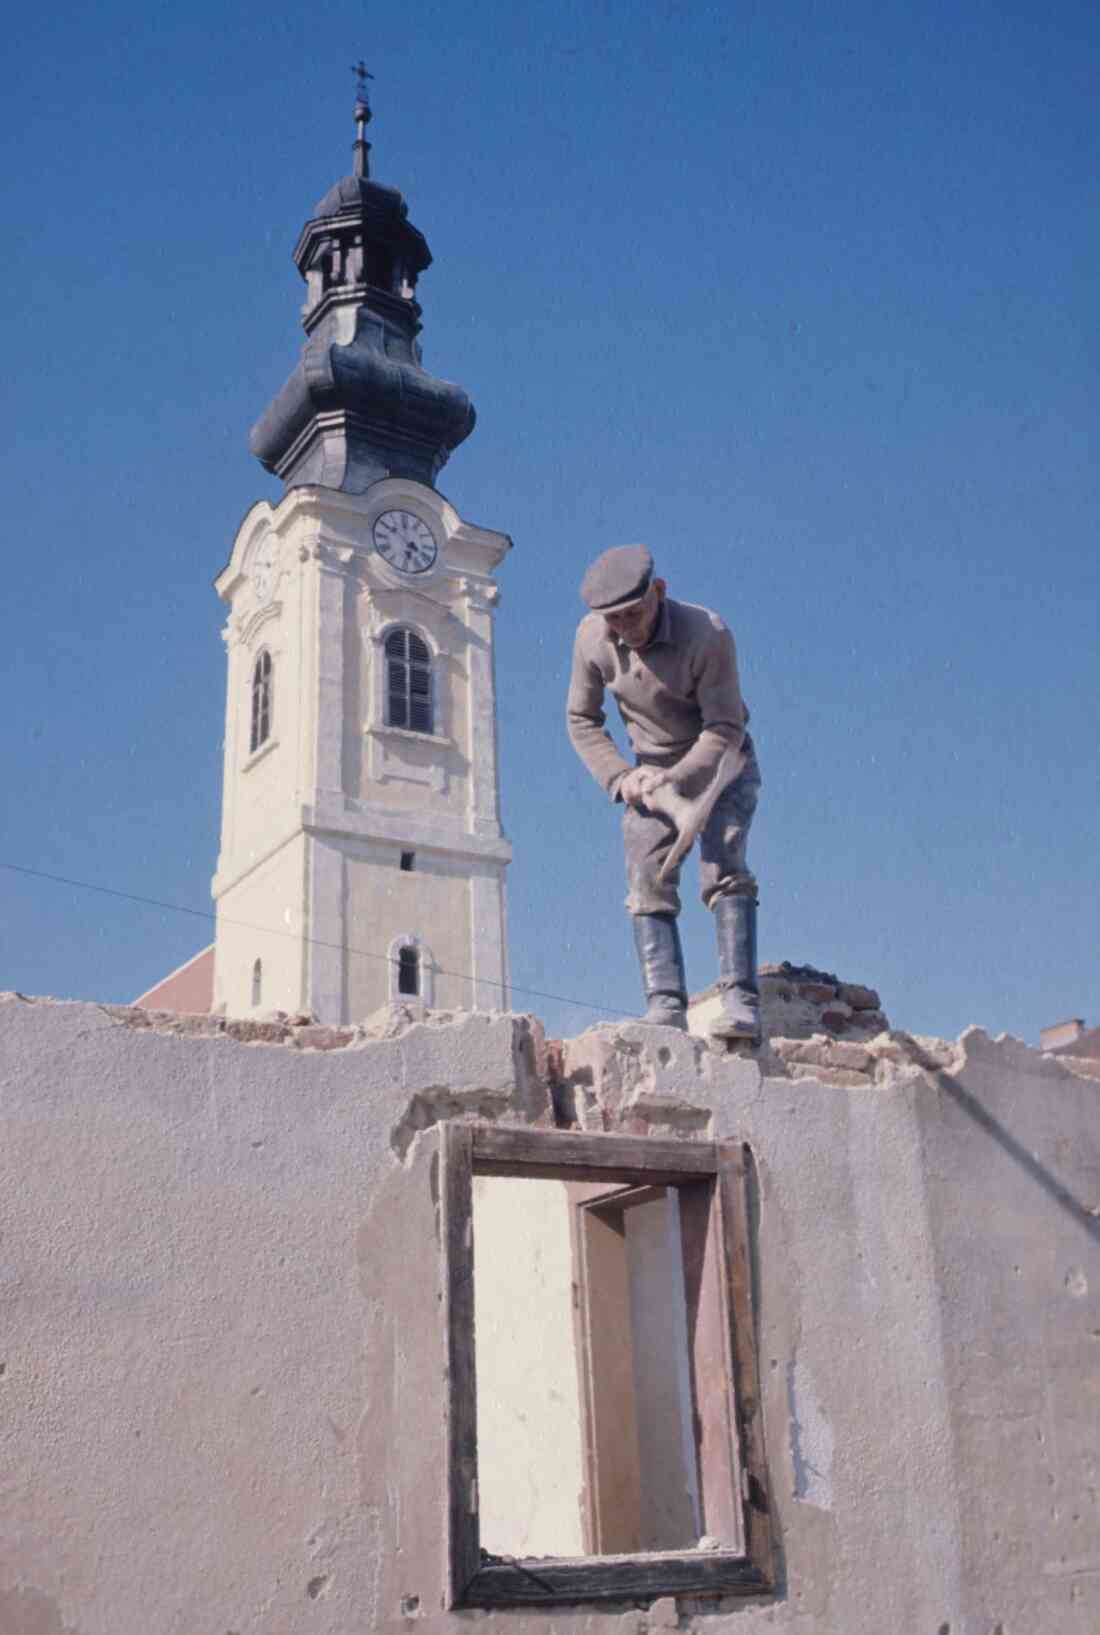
<point x="408" y="682"/>
<point x="261" y="701"/>
<point x="257" y="982"/>
<point x="408" y="971"/>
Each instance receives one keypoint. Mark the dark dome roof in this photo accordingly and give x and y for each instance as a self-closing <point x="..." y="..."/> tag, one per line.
<point x="359" y="193"/>
<point x="382" y="211"/>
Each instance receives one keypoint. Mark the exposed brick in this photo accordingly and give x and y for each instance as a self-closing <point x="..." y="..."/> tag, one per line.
<point x="849" y="1055"/>
<point x="818" y="993"/>
<point x="807" y="973"/>
<point x="134" y="1016"/>
<point x="836" y="1019"/>
<point x="887" y="1050"/>
<point x="828" y="1053"/>
<point x="869" y="1022"/>
<point x="319" y="1037"/>
<point x="775" y="987"/>
<point x="256" y="1033"/>
<point x="196" y="1025"/>
<point x="860" y="998"/>
<point x="840" y="1077"/>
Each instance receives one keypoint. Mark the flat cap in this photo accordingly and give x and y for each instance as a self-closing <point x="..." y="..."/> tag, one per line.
<point x="620" y="576"/>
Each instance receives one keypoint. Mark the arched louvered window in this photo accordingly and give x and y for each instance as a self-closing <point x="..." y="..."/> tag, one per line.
<point x="257" y="982"/>
<point x="261" y="701"/>
<point x="408" y="971"/>
<point x="408" y="682"/>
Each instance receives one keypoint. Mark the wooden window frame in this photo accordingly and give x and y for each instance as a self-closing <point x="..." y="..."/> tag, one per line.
<point x="712" y="1178"/>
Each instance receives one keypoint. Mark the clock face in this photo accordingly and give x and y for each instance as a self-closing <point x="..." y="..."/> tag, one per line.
<point x="405" y="542"/>
<point x="263" y="566"/>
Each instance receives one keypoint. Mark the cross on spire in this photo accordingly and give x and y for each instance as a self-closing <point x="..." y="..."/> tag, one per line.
<point x="362" y="75"/>
<point x="362" y="117"/>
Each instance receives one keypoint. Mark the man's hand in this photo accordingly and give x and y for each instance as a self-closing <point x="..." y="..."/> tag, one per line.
<point x="642" y="781"/>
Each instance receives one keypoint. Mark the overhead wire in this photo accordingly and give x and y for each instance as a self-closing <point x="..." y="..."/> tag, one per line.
<point x="278" y="931"/>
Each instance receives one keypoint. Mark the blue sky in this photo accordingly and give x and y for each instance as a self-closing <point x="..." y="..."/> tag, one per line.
<point x="802" y="295"/>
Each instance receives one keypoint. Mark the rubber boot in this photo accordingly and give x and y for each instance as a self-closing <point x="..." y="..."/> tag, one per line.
<point x="735" y="922"/>
<point x="657" y="939"/>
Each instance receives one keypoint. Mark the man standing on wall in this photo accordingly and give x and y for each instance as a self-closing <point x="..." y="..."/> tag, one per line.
<point x="672" y="668"/>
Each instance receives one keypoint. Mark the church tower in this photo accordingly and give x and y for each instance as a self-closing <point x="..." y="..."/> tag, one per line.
<point x="362" y="859"/>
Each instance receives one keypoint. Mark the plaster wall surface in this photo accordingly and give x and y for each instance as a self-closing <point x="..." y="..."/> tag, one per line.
<point x="530" y="1469"/>
<point x="261" y="917"/>
<point x="223" y="1368"/>
<point x="386" y="904"/>
<point x="262" y="787"/>
<point x="392" y="767"/>
<point x="265" y="779"/>
<point x="1012" y="1178"/>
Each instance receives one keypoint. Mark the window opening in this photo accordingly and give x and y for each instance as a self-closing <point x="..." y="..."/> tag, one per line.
<point x="261" y="701"/>
<point x="408" y="862"/>
<point x="643" y="1472"/>
<point x="257" y="982"/>
<point x="601" y="1345"/>
<point x="408" y="971"/>
<point x="408" y="682"/>
<point x="379" y="266"/>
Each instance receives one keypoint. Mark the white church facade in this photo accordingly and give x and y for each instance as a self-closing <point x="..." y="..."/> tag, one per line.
<point x="362" y="859"/>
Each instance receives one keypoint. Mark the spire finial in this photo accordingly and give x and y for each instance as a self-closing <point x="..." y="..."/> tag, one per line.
<point x="363" y="116"/>
<point x="362" y="75"/>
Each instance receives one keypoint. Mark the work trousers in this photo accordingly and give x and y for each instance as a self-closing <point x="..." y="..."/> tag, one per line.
<point x="648" y="838"/>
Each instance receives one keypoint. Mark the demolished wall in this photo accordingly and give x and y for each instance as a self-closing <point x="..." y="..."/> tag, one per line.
<point x="223" y="1372"/>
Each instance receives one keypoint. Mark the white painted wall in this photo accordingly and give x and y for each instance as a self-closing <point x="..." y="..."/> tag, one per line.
<point x="263" y="918"/>
<point x="304" y="582"/>
<point x="530" y="1468"/>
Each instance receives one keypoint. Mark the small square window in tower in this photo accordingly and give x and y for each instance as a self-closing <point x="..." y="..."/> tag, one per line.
<point x="408" y="682"/>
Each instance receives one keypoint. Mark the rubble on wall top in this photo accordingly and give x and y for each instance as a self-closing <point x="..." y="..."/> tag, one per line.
<point x="301" y="1031"/>
<point x="809" y="1036"/>
<point x="800" y="1001"/>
